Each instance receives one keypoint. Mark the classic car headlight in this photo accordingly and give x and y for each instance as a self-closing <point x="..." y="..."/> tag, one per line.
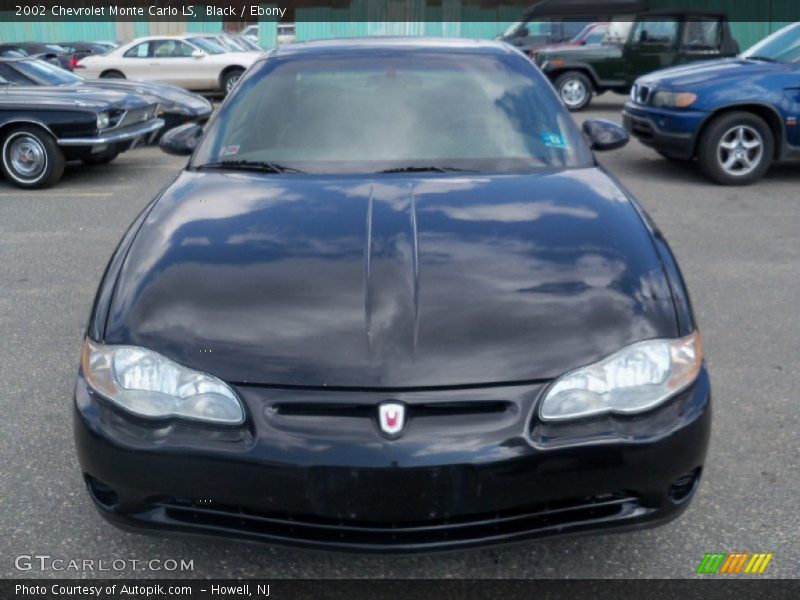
<point x="632" y="380"/>
<point x="674" y="99"/>
<point x="103" y="120"/>
<point x="149" y="385"/>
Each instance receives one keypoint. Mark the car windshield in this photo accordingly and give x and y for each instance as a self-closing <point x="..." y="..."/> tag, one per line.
<point x="781" y="46"/>
<point x="207" y="45"/>
<point x="56" y="48"/>
<point x="45" y="73"/>
<point x="412" y="111"/>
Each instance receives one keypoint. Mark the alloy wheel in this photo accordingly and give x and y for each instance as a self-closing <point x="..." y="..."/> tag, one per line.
<point x="573" y="92"/>
<point x="740" y="150"/>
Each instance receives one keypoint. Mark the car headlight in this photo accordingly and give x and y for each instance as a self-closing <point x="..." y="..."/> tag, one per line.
<point x="632" y="380"/>
<point x="674" y="99"/>
<point x="149" y="385"/>
<point x="103" y="120"/>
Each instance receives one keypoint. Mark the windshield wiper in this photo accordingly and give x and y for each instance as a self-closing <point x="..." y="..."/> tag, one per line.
<point x="412" y="169"/>
<point x="764" y="58"/>
<point x="250" y="165"/>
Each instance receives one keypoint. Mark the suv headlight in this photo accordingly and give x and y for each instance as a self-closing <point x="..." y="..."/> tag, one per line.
<point x="149" y="385"/>
<point x="632" y="380"/>
<point x="103" y="120"/>
<point x="674" y="99"/>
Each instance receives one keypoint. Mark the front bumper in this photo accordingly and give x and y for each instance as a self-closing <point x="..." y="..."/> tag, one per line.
<point x="114" y="136"/>
<point x="472" y="467"/>
<point x="673" y="132"/>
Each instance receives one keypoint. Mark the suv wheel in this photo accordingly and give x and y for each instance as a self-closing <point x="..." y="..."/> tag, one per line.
<point x="31" y="158"/>
<point x="736" y="149"/>
<point x="575" y="90"/>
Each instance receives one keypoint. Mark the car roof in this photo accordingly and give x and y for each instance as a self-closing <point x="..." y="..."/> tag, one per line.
<point x="324" y="47"/>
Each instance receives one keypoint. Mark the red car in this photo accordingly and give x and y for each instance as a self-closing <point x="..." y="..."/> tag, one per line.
<point x="594" y="33"/>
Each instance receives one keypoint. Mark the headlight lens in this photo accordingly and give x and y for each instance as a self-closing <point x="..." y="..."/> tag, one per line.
<point x="674" y="99"/>
<point x="103" y="120"/>
<point x="633" y="380"/>
<point x="149" y="385"/>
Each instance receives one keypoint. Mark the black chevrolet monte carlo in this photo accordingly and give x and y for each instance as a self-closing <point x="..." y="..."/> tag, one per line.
<point x="43" y="128"/>
<point x="392" y="304"/>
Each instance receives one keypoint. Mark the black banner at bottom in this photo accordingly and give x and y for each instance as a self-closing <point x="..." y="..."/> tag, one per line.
<point x="396" y="589"/>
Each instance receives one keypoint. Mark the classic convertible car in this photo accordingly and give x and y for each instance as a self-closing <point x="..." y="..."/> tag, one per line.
<point x="42" y="128"/>
<point x="176" y="106"/>
<point x="408" y="311"/>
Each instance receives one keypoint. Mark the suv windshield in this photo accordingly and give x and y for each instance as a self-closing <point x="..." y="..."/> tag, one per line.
<point x="404" y="112"/>
<point x="781" y="46"/>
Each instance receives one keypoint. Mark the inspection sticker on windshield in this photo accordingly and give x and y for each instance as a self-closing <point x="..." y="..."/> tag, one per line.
<point x="229" y="150"/>
<point x="553" y="139"/>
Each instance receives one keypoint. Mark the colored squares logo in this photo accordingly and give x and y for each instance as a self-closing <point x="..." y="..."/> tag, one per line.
<point x="734" y="563"/>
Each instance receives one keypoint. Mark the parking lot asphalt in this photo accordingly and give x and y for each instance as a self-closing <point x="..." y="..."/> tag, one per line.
<point x="740" y="254"/>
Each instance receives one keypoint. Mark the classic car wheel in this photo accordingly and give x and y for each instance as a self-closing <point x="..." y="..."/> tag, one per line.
<point x="575" y="90"/>
<point x="111" y="75"/>
<point x="736" y="149"/>
<point x="229" y="80"/>
<point x="101" y="158"/>
<point x="31" y="158"/>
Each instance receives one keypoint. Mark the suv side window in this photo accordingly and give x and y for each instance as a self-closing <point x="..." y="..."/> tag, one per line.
<point x="656" y="32"/>
<point x="139" y="51"/>
<point x="702" y="34"/>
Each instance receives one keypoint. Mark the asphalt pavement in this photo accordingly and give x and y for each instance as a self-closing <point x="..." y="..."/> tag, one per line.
<point x="740" y="255"/>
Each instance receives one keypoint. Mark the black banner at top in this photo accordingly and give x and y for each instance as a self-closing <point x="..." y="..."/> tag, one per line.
<point x="379" y="10"/>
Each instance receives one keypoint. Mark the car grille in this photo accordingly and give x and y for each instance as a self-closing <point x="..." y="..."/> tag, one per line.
<point x="542" y="520"/>
<point x="319" y="409"/>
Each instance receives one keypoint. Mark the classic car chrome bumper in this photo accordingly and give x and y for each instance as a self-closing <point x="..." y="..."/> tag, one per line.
<point x="111" y="137"/>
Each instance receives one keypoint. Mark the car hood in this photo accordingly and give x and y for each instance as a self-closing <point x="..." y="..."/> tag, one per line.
<point x="711" y="73"/>
<point x="390" y="281"/>
<point x="64" y="97"/>
<point x="165" y="94"/>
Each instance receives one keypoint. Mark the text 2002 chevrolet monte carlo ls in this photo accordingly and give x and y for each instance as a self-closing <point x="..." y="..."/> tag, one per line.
<point x="392" y="303"/>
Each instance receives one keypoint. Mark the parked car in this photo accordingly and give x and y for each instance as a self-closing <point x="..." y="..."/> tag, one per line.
<point x="407" y="311"/>
<point x="549" y="22"/>
<point x="251" y="32"/>
<point x="248" y="43"/>
<point x="190" y="61"/>
<point x="176" y="106"/>
<point x="594" y="33"/>
<point x="42" y="128"/>
<point x="52" y="53"/>
<point x="651" y="41"/>
<point x="285" y="33"/>
<point x="736" y="116"/>
<point x="79" y="50"/>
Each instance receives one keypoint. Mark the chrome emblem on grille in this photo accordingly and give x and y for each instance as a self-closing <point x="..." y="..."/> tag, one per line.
<point x="391" y="418"/>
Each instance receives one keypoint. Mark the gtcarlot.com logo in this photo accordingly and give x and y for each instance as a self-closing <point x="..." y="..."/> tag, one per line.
<point x="45" y="562"/>
<point x="733" y="563"/>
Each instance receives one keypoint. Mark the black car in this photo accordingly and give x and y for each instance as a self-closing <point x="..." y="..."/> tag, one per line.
<point x="176" y="105"/>
<point x="407" y="311"/>
<point x="42" y="128"/>
<point x="52" y="53"/>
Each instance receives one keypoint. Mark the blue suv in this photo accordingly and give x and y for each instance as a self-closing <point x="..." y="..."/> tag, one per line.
<point x="734" y="115"/>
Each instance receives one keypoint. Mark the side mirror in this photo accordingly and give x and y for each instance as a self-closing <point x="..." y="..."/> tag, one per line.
<point x="182" y="140"/>
<point x="605" y="135"/>
<point x="198" y="54"/>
